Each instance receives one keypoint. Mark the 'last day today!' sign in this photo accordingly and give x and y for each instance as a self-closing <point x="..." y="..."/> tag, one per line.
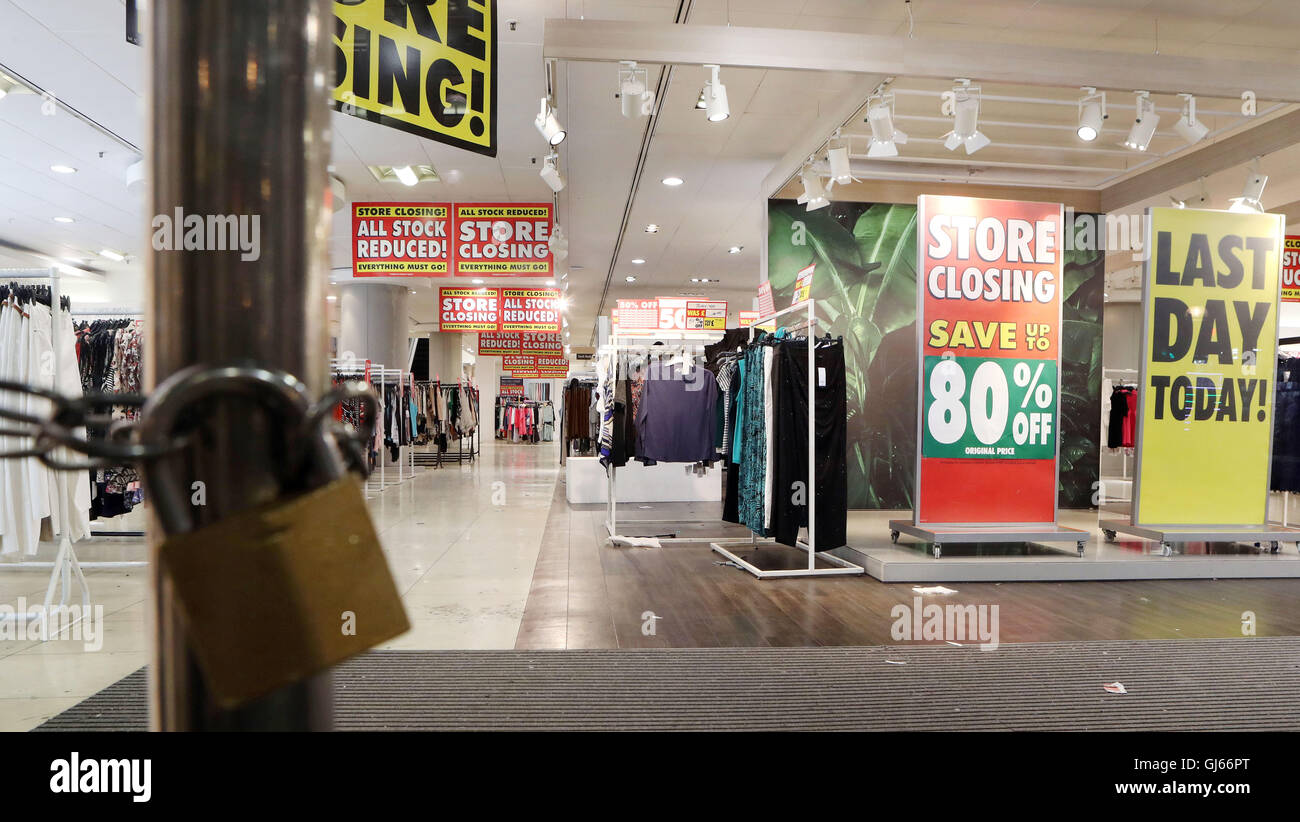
<point x="1210" y="306"/>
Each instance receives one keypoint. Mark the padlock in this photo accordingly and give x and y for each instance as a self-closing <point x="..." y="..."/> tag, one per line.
<point x="277" y="592"/>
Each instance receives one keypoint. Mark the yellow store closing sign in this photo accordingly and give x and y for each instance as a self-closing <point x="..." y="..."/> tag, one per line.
<point x="423" y="66"/>
<point x="1210" y="308"/>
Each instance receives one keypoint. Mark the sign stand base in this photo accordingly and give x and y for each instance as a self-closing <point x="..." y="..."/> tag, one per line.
<point x="937" y="534"/>
<point x="1171" y="535"/>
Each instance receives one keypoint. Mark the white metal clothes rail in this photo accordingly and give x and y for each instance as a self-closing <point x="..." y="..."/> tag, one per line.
<point x="838" y="567"/>
<point x="614" y="347"/>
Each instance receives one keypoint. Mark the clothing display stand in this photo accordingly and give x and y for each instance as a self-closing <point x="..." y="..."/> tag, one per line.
<point x="66" y="566"/>
<point x="611" y="471"/>
<point x="381" y="376"/>
<point x="840" y="567"/>
<point x="1125" y="452"/>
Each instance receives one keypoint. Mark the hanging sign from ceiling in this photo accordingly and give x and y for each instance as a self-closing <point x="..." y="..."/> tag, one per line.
<point x="638" y="315"/>
<point x="510" y="387"/>
<point x="428" y="68"/>
<point x="530" y="309"/>
<point x="989" y="329"/>
<point x="1291" y="270"/>
<point x="519" y="362"/>
<point x="748" y="318"/>
<point x="495" y="344"/>
<point x="401" y="239"/>
<point x="503" y="239"/>
<point x="1210" y="306"/>
<point x="468" y="309"/>
<point x="500" y="343"/>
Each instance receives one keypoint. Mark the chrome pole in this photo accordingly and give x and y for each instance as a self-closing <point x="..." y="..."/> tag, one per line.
<point x="239" y="126"/>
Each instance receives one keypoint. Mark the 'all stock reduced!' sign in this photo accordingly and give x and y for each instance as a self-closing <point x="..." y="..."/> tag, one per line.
<point x="1210" y="318"/>
<point x="989" y="304"/>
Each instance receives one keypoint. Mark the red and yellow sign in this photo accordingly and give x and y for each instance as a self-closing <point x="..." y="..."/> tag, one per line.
<point x="1291" y="270"/>
<point x="530" y="309"/>
<point x="803" y="284"/>
<point x="989" y="310"/>
<point x="468" y="309"/>
<point x="638" y="315"/>
<point x="766" y="305"/>
<point x="519" y="362"/>
<point x="748" y="318"/>
<point x="501" y="343"/>
<point x="496" y="343"/>
<point x="705" y="315"/>
<point x="401" y="239"/>
<point x="502" y="239"/>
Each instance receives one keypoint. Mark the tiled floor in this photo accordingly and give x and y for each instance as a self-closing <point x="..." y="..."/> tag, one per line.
<point x="461" y="542"/>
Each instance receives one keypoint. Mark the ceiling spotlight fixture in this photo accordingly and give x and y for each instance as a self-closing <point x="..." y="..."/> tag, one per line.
<point x="550" y="173"/>
<point x="331" y="298"/>
<point x="1188" y="127"/>
<point x="406" y="175"/>
<point x="814" y="193"/>
<point x="735" y="249"/>
<point x="965" y="119"/>
<point x="630" y="278"/>
<point x="673" y="182"/>
<point x="64" y="220"/>
<point x="559" y="244"/>
<point x="62" y="169"/>
<point x="547" y="124"/>
<point x="1251" y="194"/>
<point x="885" y="138"/>
<point x="1144" y="122"/>
<point x="6" y="85"/>
<point x="634" y="90"/>
<point x="838" y="158"/>
<point x="652" y="228"/>
<point x="1092" y="111"/>
<point x="638" y="261"/>
<point x="110" y="254"/>
<point x="715" y="97"/>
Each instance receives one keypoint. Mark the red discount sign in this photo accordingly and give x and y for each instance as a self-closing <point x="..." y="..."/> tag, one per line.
<point x="530" y="309"/>
<point x="401" y="239"/>
<point x="468" y="309"/>
<point x="503" y="239"/>
<point x="1291" y="270"/>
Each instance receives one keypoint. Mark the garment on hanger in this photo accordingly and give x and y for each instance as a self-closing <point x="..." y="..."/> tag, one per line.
<point x="1285" y="475"/>
<point x="1121" y="426"/>
<point x="676" y="415"/>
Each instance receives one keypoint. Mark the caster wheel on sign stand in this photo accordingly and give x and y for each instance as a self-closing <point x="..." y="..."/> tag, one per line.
<point x="1108" y="534"/>
<point x="893" y="537"/>
<point x="937" y="550"/>
<point x="1080" y="546"/>
<point x="1274" y="547"/>
<point x="1166" y="550"/>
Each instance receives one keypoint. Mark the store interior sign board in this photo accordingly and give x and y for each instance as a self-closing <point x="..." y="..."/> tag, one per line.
<point x="530" y="309"/>
<point x="469" y="309"/>
<point x="1291" y="270"/>
<point x="1210" y="324"/>
<point x="497" y="343"/>
<point x="503" y="239"/>
<point x="989" y="326"/>
<point x="401" y="239"/>
<point x="427" y="68"/>
<point x="704" y="315"/>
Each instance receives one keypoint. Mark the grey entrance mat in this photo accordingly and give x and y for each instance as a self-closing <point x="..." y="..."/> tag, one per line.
<point x="1216" y="684"/>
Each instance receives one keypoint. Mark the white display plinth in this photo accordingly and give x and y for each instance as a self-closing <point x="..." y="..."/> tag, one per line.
<point x="585" y="482"/>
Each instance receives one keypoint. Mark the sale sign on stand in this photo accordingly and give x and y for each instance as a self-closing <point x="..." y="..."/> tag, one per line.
<point x="989" y="328"/>
<point x="401" y="239"/>
<point x="1210" y="307"/>
<point x="1291" y="270"/>
<point x="706" y="315"/>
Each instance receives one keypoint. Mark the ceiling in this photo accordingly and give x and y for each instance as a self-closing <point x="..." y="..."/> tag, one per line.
<point x="76" y="50"/>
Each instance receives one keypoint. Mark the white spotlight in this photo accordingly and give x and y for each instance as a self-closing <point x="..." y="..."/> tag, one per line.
<point x="6" y="85"/>
<point x="839" y="161"/>
<point x="550" y="172"/>
<point x="405" y="175"/>
<point x="559" y="244"/>
<point x="715" y="97"/>
<point x="1092" y="111"/>
<point x="885" y="138"/>
<point x="814" y="193"/>
<point x="1188" y="127"/>
<point x="1251" y="194"/>
<point x="965" y="124"/>
<point x="634" y="91"/>
<point x="548" y="126"/>
<point x="1144" y="123"/>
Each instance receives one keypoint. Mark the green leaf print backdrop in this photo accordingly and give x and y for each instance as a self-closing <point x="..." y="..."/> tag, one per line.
<point x="865" y="287"/>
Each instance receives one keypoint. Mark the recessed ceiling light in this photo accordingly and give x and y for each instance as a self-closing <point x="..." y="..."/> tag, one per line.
<point x="652" y="229"/>
<point x="638" y="261"/>
<point x="673" y="181"/>
<point x="550" y="282"/>
<point x="406" y="175"/>
<point x="64" y="220"/>
<point x="330" y="297"/>
<point x="630" y="278"/>
<point x="735" y="249"/>
<point x="477" y="282"/>
<point x="412" y="290"/>
<point x="115" y="256"/>
<point x="62" y="169"/>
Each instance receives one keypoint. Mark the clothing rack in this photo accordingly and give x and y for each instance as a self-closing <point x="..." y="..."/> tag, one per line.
<point x="840" y="567"/>
<point x="1125" y="452"/>
<point x="436" y="458"/>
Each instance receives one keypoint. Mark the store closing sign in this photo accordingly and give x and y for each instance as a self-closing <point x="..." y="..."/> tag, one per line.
<point x="1210" y="304"/>
<point x="424" y="67"/>
<point x="519" y="362"/>
<point x="503" y="239"/>
<point x="401" y="239"/>
<point x="530" y="309"/>
<point x="1291" y="270"/>
<point x="468" y="309"/>
<point x="989" y="318"/>
<point x="501" y="343"/>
